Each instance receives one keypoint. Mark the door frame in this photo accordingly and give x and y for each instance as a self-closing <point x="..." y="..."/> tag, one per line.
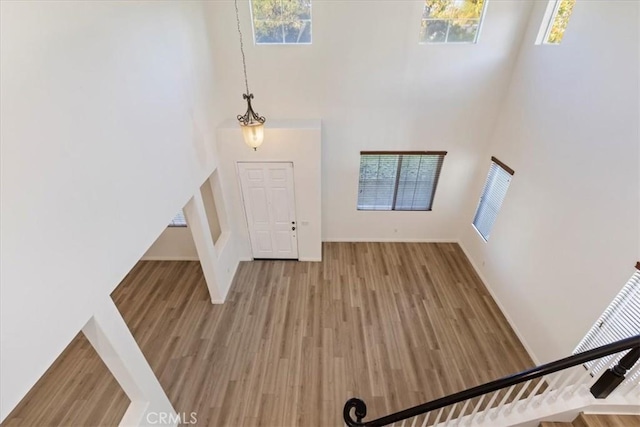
<point x="244" y="206"/>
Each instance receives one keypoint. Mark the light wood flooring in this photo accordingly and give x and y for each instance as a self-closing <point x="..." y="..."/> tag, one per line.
<point x="596" y="420"/>
<point x="396" y="324"/>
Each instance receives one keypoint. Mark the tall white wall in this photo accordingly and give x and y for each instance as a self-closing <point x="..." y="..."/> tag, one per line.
<point x="376" y="88"/>
<point x="567" y="237"/>
<point x="107" y="115"/>
<point x="296" y="141"/>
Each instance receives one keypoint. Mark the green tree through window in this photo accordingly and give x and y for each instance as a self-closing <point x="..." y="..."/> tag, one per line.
<point x="281" y="21"/>
<point x="451" y="21"/>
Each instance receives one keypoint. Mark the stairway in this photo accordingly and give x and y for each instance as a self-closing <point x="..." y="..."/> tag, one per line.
<point x="584" y="420"/>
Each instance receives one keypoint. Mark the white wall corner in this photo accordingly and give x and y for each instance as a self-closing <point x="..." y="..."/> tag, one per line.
<point x="196" y="216"/>
<point x="520" y="336"/>
<point x="112" y="340"/>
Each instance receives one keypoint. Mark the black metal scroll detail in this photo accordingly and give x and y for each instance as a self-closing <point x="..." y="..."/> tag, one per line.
<point x="250" y="117"/>
<point x="360" y="412"/>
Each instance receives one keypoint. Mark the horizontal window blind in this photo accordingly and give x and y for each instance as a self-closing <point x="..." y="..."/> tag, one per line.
<point x="398" y="181"/>
<point x="495" y="189"/>
<point x="178" y="221"/>
<point x="620" y="320"/>
<point x="377" y="181"/>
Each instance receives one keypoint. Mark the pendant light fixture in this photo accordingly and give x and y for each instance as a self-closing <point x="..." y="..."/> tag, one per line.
<point x="251" y="123"/>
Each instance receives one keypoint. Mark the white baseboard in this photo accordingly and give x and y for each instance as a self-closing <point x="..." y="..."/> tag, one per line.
<point x="500" y="306"/>
<point x="169" y="258"/>
<point x="388" y="239"/>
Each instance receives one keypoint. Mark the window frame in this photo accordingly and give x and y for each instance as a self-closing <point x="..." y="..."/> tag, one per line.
<point x="438" y="171"/>
<point x="548" y="19"/>
<point x="480" y="20"/>
<point x="282" y="24"/>
<point x="508" y="170"/>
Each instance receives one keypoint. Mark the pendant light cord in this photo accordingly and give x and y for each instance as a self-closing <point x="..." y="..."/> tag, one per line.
<point x="244" y="61"/>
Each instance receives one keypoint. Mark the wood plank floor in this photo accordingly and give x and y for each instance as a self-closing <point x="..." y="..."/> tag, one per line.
<point x="396" y="324"/>
<point x="598" y="420"/>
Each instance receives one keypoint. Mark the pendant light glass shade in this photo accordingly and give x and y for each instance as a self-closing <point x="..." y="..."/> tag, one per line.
<point x="253" y="134"/>
<point x="252" y="125"/>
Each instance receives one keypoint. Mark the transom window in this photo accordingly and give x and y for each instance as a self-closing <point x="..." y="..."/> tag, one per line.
<point x="451" y="21"/>
<point x="281" y="21"/>
<point x="401" y="181"/>
<point x="495" y="189"/>
<point x="178" y="220"/>
<point x="555" y="21"/>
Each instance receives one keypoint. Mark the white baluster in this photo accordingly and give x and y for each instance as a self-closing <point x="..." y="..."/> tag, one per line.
<point x="502" y="402"/>
<point x="464" y="409"/>
<point x="426" y="418"/>
<point x="572" y="379"/>
<point x="437" y="422"/>
<point x="585" y="377"/>
<point x="552" y="386"/>
<point x="515" y="401"/>
<point x="476" y="408"/>
<point x="453" y="409"/>
<point x="489" y="406"/>
<point x="415" y="421"/>
<point x="533" y="392"/>
<point x="403" y="423"/>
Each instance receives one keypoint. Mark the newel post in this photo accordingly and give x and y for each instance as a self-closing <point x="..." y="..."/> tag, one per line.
<point x="615" y="375"/>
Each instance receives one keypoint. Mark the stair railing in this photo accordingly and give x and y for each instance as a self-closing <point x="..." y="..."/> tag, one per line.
<point x="541" y="383"/>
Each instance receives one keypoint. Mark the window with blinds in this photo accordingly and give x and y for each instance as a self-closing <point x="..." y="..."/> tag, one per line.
<point x="620" y="320"/>
<point x="400" y="181"/>
<point x="178" y="220"/>
<point x="495" y="189"/>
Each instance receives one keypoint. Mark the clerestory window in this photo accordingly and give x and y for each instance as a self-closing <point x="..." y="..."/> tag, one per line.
<point x="451" y="21"/>
<point x="555" y="21"/>
<point x="281" y="21"/>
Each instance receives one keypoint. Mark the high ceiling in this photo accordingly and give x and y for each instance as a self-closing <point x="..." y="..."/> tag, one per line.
<point x="375" y="87"/>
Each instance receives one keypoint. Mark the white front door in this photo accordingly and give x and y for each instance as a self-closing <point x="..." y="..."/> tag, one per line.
<point x="267" y="191"/>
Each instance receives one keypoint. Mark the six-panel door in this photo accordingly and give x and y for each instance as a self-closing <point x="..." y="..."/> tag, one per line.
<point x="267" y="192"/>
